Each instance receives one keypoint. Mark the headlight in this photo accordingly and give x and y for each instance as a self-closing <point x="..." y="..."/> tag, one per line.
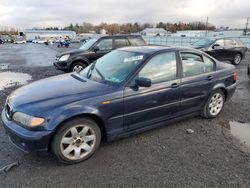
<point x="64" y="57"/>
<point x="27" y="120"/>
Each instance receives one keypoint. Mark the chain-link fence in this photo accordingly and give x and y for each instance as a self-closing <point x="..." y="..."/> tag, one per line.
<point x="184" y="41"/>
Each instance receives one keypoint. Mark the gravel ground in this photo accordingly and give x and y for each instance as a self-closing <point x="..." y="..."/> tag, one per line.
<point x="163" y="157"/>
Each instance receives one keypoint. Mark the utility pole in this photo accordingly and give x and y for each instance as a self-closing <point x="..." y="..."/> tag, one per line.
<point x="245" y="31"/>
<point x="206" y="34"/>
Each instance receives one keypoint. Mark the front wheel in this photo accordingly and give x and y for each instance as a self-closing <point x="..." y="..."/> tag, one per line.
<point x="77" y="67"/>
<point x="214" y="104"/>
<point x="76" y="140"/>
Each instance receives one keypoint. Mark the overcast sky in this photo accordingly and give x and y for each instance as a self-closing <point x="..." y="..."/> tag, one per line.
<point x="43" y="13"/>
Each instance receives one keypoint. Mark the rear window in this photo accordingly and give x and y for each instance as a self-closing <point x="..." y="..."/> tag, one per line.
<point x="238" y="42"/>
<point x="193" y="64"/>
<point x="136" y="41"/>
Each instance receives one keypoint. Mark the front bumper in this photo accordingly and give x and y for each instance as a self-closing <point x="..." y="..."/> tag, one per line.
<point x="24" y="139"/>
<point x="61" y="65"/>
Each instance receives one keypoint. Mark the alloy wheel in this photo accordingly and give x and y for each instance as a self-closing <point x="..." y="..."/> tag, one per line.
<point x="78" y="68"/>
<point x="216" y="104"/>
<point x="78" y="142"/>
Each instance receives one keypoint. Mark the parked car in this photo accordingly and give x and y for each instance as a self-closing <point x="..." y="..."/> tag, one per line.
<point x="77" y="60"/>
<point x="39" y="41"/>
<point x="20" y="41"/>
<point x="2" y="41"/>
<point x="63" y="44"/>
<point x="127" y="91"/>
<point x="223" y="49"/>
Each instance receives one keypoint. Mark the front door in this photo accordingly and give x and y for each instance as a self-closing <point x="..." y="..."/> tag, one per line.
<point x="104" y="46"/>
<point x="217" y="50"/>
<point x="146" y="106"/>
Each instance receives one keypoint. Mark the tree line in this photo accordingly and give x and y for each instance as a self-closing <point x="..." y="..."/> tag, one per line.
<point x="136" y="27"/>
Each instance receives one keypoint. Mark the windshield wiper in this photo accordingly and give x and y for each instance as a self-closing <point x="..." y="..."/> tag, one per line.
<point x="101" y="75"/>
<point x="89" y="73"/>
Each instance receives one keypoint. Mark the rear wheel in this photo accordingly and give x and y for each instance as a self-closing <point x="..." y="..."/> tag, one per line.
<point x="76" y="140"/>
<point x="77" y="67"/>
<point x="237" y="59"/>
<point x="214" y="104"/>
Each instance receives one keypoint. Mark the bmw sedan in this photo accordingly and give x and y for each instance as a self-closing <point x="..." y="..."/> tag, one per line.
<point x="127" y="91"/>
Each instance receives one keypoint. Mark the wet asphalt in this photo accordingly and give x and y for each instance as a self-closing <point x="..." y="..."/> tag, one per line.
<point x="163" y="157"/>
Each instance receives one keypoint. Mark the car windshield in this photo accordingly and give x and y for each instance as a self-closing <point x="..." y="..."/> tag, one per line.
<point x="203" y="42"/>
<point x="114" y="67"/>
<point x="88" y="44"/>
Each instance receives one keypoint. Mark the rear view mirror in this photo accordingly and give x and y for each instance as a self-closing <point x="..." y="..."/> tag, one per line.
<point x="143" y="82"/>
<point x="215" y="46"/>
<point x="96" y="48"/>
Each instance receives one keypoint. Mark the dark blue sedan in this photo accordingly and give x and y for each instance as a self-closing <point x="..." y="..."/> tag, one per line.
<point x="126" y="91"/>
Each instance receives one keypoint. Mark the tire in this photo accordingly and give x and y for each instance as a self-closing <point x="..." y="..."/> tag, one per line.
<point x="214" y="104"/>
<point x="76" y="140"/>
<point x="77" y="67"/>
<point x="58" y="46"/>
<point x="237" y="59"/>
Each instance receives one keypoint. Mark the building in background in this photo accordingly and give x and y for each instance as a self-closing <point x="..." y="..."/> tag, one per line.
<point x="190" y="33"/>
<point x="155" y="32"/>
<point x="31" y="34"/>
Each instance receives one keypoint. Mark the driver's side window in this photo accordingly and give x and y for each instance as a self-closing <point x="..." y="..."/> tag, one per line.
<point x="105" y="44"/>
<point x="220" y="42"/>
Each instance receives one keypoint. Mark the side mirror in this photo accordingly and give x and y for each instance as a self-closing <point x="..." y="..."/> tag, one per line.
<point x="143" y="82"/>
<point x="96" y="48"/>
<point x="215" y="46"/>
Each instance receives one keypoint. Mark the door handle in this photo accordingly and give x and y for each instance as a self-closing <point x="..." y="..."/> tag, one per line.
<point x="210" y="77"/>
<point x="174" y="85"/>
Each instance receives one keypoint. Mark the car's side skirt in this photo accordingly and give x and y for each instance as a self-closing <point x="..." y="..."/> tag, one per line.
<point x="155" y="125"/>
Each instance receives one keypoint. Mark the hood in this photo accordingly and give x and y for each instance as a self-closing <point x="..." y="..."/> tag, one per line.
<point x="71" y="52"/>
<point x="56" y="91"/>
<point x="197" y="47"/>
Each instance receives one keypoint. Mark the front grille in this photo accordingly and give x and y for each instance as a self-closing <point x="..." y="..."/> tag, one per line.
<point x="8" y="110"/>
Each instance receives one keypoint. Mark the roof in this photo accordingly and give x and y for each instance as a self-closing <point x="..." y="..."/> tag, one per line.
<point x="153" y="49"/>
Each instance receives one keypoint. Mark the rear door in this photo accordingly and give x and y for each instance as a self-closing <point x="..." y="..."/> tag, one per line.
<point x="146" y="106"/>
<point x="120" y="42"/>
<point x="197" y="80"/>
<point x="230" y="49"/>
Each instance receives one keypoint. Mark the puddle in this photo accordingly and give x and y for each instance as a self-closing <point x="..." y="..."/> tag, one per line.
<point x="239" y="130"/>
<point x="10" y="79"/>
